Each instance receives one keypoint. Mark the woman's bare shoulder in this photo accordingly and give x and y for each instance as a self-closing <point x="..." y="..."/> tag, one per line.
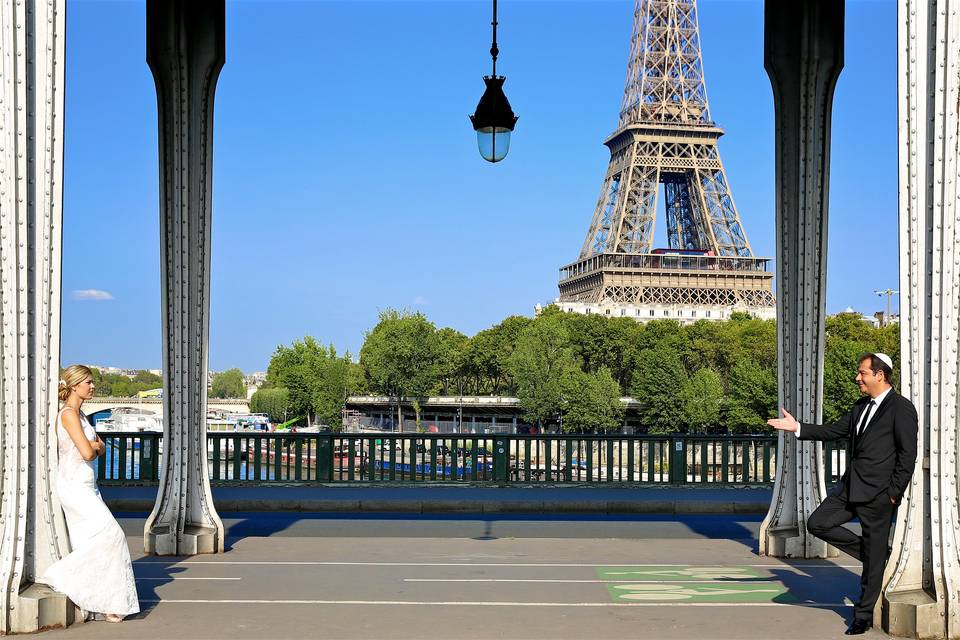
<point x="69" y="417"/>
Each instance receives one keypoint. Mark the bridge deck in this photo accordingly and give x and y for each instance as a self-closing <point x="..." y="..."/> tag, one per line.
<point x="463" y="576"/>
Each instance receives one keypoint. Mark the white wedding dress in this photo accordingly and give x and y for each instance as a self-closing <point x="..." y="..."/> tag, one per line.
<point x="97" y="575"/>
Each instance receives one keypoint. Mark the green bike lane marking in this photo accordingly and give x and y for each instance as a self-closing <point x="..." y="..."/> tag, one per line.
<point x="693" y="584"/>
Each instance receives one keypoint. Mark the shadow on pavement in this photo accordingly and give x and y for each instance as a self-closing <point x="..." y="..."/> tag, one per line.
<point x="812" y="583"/>
<point x="476" y="526"/>
<point x="820" y="588"/>
<point x="152" y="572"/>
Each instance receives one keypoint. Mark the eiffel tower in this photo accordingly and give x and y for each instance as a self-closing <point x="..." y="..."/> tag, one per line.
<point x="666" y="136"/>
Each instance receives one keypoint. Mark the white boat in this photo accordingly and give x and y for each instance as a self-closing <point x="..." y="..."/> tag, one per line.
<point x="222" y="424"/>
<point x="130" y="421"/>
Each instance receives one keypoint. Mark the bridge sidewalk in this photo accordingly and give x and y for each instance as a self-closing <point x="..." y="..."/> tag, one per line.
<point x="467" y="499"/>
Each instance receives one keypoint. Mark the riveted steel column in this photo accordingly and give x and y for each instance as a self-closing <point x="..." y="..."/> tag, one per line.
<point x="922" y="595"/>
<point x="803" y="55"/>
<point x="31" y="215"/>
<point x="185" y="51"/>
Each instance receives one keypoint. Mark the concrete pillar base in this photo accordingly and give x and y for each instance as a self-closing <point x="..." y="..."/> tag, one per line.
<point x="160" y="541"/>
<point x="786" y="542"/>
<point x="912" y="614"/>
<point x="40" y="608"/>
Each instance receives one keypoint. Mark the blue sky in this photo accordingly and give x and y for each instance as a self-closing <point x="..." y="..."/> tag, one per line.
<point x="347" y="180"/>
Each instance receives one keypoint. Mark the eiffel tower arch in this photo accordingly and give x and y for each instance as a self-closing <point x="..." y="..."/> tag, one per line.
<point x="666" y="137"/>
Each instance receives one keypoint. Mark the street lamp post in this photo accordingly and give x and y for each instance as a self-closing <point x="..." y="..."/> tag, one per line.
<point x="888" y="293"/>
<point x="494" y="119"/>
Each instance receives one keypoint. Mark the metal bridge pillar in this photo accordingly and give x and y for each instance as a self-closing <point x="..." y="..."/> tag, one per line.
<point x="803" y="55"/>
<point x="922" y="594"/>
<point x="185" y="51"/>
<point x="32" y="529"/>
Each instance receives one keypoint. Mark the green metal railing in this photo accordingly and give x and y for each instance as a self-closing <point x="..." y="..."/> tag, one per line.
<point x="252" y="458"/>
<point x="131" y="458"/>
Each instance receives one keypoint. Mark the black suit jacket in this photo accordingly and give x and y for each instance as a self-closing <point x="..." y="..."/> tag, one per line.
<point x="883" y="457"/>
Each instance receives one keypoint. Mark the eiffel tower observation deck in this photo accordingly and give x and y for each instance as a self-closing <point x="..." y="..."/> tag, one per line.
<point x="666" y="136"/>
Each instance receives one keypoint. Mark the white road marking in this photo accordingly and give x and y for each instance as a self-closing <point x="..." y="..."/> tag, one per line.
<point x="180" y="578"/>
<point x="630" y="580"/>
<point x="413" y="603"/>
<point x="590" y="565"/>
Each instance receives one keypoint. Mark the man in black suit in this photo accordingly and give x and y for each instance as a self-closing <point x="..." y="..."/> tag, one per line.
<point x="881" y="429"/>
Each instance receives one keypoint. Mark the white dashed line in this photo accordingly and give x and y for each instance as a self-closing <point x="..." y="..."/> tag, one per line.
<point x="750" y="579"/>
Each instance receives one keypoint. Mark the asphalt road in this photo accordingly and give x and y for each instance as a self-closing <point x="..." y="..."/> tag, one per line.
<point x="463" y="576"/>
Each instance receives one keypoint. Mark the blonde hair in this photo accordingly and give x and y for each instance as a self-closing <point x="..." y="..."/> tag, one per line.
<point x="71" y="377"/>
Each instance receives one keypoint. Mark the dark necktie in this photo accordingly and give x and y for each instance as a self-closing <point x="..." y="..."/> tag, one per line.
<point x="866" y="416"/>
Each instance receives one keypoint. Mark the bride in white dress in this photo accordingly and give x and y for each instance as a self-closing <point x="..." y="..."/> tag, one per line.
<point x="97" y="575"/>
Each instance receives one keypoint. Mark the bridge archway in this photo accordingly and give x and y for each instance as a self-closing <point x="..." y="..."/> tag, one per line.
<point x="186" y="52"/>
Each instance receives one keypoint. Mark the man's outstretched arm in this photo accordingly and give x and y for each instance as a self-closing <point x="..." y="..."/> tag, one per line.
<point x="833" y="431"/>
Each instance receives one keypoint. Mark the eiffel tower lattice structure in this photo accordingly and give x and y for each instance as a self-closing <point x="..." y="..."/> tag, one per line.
<point x="666" y="136"/>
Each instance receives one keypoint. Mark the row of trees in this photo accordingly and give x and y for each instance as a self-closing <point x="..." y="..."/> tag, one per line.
<point x="117" y="385"/>
<point x="572" y="369"/>
<point x="228" y="384"/>
<point x="308" y="380"/>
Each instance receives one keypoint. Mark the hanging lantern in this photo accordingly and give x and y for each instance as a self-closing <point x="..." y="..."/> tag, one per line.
<point x="494" y="119"/>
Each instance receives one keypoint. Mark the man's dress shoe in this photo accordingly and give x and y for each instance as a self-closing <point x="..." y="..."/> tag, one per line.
<point x="858" y="626"/>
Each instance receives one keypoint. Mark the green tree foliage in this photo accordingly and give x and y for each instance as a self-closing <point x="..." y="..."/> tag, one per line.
<point x="752" y="397"/>
<point x="316" y="378"/>
<point x="848" y="338"/>
<point x="839" y="371"/>
<point x="601" y="342"/>
<point x="666" y="335"/>
<point x="591" y="401"/>
<point x="538" y="365"/>
<point x="657" y="382"/>
<point x="146" y="378"/>
<point x="120" y="386"/>
<point x="486" y="364"/>
<point x="451" y="366"/>
<point x="702" y="399"/>
<point x="849" y="326"/>
<point x="706" y="376"/>
<point x="744" y="337"/>
<point x="273" y="402"/>
<point x="228" y="384"/>
<point x="332" y="388"/>
<point x="706" y="342"/>
<point x="402" y="356"/>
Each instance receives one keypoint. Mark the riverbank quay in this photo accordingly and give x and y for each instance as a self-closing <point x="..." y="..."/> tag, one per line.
<point x="467" y="499"/>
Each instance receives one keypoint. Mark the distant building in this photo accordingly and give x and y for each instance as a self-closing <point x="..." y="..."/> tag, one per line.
<point x="684" y="314"/>
<point x="130" y="373"/>
<point x="877" y="320"/>
<point x="882" y="321"/>
<point x="107" y="370"/>
<point x="254" y="381"/>
<point x="256" y="378"/>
